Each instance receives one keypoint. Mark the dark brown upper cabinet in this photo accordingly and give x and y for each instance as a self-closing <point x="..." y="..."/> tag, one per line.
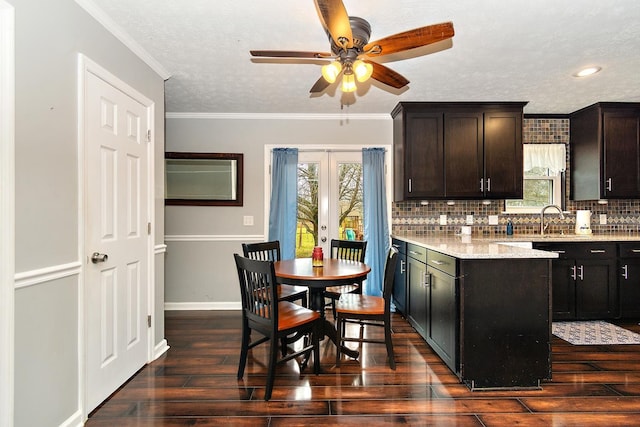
<point x="605" y="151"/>
<point x="470" y="150"/>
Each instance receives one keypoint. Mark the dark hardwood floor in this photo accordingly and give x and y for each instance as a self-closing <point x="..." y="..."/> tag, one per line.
<point x="195" y="383"/>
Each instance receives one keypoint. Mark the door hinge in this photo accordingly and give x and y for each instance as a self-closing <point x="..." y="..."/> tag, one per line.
<point x="149" y="320"/>
<point x="148" y="135"/>
<point x="149" y="228"/>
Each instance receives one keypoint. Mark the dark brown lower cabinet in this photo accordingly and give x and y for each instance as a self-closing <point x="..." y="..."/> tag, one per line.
<point x="585" y="285"/>
<point x="489" y="320"/>
<point x="629" y="279"/>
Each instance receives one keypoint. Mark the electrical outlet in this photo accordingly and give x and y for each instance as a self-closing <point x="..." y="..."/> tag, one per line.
<point x="493" y="219"/>
<point x="603" y="219"/>
<point x="443" y="220"/>
<point x="469" y="220"/>
<point x="248" y="220"/>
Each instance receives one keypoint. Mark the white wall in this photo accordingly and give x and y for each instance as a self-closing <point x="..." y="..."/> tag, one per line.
<point x="48" y="348"/>
<point x="201" y="240"/>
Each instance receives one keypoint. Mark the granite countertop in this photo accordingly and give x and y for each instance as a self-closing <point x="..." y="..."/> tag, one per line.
<point x="504" y="247"/>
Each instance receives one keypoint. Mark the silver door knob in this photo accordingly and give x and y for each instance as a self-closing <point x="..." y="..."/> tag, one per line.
<point x="97" y="257"/>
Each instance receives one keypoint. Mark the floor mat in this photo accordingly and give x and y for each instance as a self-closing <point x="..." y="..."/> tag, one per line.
<point x="595" y="332"/>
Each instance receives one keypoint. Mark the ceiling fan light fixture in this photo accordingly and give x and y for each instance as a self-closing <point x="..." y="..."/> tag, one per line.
<point x="362" y="70"/>
<point x="348" y="83"/>
<point x="331" y="71"/>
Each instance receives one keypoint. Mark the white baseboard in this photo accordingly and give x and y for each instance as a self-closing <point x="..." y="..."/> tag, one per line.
<point x="161" y="348"/>
<point x="74" y="420"/>
<point x="203" y="306"/>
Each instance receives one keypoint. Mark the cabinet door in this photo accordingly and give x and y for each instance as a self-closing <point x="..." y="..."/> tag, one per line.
<point x="400" y="284"/>
<point x="621" y="154"/>
<point x="563" y="289"/>
<point x="630" y="287"/>
<point x="417" y="313"/>
<point x="503" y="155"/>
<point x="442" y="323"/>
<point x="424" y="151"/>
<point x="596" y="289"/>
<point x="463" y="155"/>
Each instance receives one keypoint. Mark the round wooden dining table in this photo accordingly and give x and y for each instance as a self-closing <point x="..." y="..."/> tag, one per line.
<point x="334" y="272"/>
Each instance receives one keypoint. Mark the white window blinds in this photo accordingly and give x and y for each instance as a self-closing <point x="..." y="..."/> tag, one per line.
<point x="550" y="156"/>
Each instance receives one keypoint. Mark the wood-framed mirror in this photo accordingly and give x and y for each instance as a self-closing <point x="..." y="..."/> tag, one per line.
<point x="203" y="179"/>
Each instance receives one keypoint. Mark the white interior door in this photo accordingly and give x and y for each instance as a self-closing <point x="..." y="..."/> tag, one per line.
<point x="329" y="198"/>
<point x="117" y="276"/>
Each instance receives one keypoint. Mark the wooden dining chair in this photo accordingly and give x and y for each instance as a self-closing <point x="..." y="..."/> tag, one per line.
<point x="369" y="310"/>
<point x="353" y="250"/>
<point x="270" y="251"/>
<point x="275" y="320"/>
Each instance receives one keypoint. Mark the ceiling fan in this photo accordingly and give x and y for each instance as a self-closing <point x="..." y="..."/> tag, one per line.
<point x="351" y="51"/>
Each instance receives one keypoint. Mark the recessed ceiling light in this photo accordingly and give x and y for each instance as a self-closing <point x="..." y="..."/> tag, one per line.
<point x="587" y="71"/>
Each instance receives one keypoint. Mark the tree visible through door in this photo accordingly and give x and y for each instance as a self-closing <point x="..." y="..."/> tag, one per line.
<point x="329" y="199"/>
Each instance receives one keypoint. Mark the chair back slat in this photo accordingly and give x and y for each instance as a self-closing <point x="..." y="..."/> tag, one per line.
<point x="258" y="289"/>
<point x="352" y="250"/>
<point x="389" y="275"/>
<point x="264" y="251"/>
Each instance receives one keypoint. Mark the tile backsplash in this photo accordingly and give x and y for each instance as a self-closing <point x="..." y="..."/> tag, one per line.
<point x="426" y="217"/>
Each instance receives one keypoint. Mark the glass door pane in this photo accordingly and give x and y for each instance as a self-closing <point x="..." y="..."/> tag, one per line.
<point x="329" y="199"/>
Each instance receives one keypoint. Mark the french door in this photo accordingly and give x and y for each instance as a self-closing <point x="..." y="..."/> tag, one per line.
<point x="329" y="199"/>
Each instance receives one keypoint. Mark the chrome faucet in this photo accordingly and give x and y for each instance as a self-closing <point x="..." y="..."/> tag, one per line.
<point x="544" y="227"/>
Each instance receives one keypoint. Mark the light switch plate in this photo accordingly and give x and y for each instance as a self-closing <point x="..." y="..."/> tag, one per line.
<point x="493" y="219"/>
<point x="443" y="220"/>
<point x="469" y="220"/>
<point x="248" y="220"/>
<point x="603" y="219"/>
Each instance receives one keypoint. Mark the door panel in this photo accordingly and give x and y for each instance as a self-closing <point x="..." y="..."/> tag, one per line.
<point x="116" y="285"/>
<point x="329" y="199"/>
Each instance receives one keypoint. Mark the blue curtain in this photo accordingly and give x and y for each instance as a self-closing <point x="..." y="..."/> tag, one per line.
<point x="283" y="208"/>
<point x="376" y="228"/>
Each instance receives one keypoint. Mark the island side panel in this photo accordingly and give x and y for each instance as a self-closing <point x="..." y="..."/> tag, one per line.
<point x="505" y="315"/>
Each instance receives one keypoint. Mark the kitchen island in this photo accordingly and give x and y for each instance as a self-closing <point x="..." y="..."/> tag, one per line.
<point x="483" y="306"/>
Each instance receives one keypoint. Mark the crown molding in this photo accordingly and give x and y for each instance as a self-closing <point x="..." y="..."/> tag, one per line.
<point x="277" y="116"/>
<point x="118" y="32"/>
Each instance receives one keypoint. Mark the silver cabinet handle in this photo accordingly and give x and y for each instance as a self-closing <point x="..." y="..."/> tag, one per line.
<point x="488" y="185"/>
<point x="415" y="253"/>
<point x="97" y="257"/>
<point x="481" y="185"/>
<point x="609" y="186"/>
<point x="598" y="251"/>
<point x="635" y="251"/>
<point x="559" y="252"/>
<point x="573" y="272"/>
<point x="625" y="271"/>
<point x="402" y="266"/>
<point x="436" y="262"/>
<point x="581" y="274"/>
<point x="409" y="185"/>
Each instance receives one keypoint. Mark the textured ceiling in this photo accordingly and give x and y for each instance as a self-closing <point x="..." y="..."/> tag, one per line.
<point x="516" y="50"/>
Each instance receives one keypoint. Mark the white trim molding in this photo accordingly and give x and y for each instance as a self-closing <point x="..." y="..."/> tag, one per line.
<point x="7" y="212"/>
<point x="213" y="238"/>
<point x="161" y="348"/>
<point x="118" y="32"/>
<point x="47" y="274"/>
<point x="182" y="306"/>
<point x="159" y="249"/>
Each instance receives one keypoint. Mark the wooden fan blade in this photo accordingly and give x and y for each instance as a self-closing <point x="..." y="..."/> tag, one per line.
<point x="319" y="86"/>
<point x="290" y="54"/>
<point x="410" y="39"/>
<point x="387" y="76"/>
<point x="335" y="20"/>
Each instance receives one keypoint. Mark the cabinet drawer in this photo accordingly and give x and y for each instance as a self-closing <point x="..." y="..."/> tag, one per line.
<point x="580" y="250"/>
<point x="417" y="252"/>
<point x="629" y="250"/>
<point x="400" y="245"/>
<point x="444" y="263"/>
